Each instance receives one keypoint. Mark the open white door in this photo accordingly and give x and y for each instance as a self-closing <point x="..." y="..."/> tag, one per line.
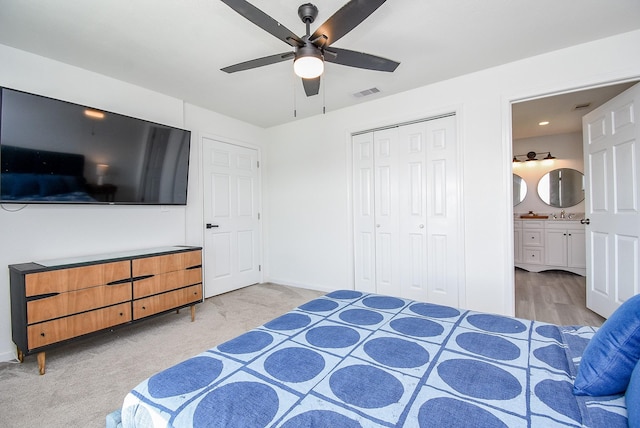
<point x="232" y="229"/>
<point x="611" y="136"/>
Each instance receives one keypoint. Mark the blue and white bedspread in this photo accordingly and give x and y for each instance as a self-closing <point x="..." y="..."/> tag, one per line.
<point x="351" y="359"/>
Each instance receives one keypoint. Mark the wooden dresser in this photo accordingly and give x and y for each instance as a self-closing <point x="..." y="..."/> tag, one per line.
<point x="56" y="301"/>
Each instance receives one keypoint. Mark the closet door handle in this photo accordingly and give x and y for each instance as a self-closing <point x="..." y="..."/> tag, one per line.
<point x="211" y="226"/>
<point x="585" y="221"/>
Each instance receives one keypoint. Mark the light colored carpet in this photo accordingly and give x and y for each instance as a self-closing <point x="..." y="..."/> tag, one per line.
<point x="88" y="379"/>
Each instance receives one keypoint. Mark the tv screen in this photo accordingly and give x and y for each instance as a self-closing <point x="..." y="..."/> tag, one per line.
<point x="53" y="151"/>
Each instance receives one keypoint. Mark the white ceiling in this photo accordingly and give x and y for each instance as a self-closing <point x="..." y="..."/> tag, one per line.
<point x="178" y="47"/>
<point x="560" y="111"/>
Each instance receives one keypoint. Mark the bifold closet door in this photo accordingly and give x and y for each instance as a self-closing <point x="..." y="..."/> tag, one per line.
<point x="405" y="211"/>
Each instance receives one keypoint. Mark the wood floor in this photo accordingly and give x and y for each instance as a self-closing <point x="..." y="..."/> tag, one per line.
<point x="556" y="297"/>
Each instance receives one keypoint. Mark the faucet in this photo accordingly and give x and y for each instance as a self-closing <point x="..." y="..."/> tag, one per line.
<point x="562" y="214"/>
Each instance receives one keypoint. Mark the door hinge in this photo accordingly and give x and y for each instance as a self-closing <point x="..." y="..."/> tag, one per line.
<point x="258" y="216"/>
<point x="259" y="268"/>
<point x="258" y="163"/>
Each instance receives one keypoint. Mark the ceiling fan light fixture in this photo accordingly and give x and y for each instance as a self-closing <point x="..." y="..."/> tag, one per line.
<point x="308" y="63"/>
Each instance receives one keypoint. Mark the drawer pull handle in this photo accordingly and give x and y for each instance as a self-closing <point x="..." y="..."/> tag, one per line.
<point x="42" y="334"/>
<point x="140" y="278"/>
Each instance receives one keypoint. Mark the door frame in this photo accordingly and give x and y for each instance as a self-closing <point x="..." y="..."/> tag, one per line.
<point x="507" y="143"/>
<point x="201" y="192"/>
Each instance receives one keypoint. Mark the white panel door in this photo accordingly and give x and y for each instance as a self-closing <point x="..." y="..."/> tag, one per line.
<point x="443" y="212"/>
<point x="232" y="230"/>
<point x="406" y="217"/>
<point x="611" y="135"/>
<point x="386" y="209"/>
<point x="363" y="213"/>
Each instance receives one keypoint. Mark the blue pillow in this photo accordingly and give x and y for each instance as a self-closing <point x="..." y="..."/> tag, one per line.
<point x="633" y="396"/>
<point x="612" y="354"/>
<point x="51" y="185"/>
<point x="25" y="185"/>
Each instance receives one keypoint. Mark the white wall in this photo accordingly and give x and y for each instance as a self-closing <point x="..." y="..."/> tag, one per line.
<point x="40" y="232"/>
<point x="309" y="225"/>
<point x="306" y="171"/>
<point x="567" y="148"/>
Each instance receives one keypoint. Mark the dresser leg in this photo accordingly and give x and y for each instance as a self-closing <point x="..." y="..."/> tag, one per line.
<point x="20" y="355"/>
<point x="193" y="313"/>
<point x="41" y="362"/>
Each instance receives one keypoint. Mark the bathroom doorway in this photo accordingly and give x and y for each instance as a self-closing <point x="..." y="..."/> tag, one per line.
<point x="547" y="136"/>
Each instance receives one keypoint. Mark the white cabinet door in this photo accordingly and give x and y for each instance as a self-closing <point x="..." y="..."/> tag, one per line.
<point x="611" y="135"/>
<point x="231" y="200"/>
<point x="576" y="253"/>
<point x="556" y="247"/>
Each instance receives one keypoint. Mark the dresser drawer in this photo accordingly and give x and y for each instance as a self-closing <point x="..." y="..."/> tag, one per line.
<point x="532" y="238"/>
<point x="533" y="256"/>
<point x="165" y="301"/>
<point x="166" y="263"/>
<point x="63" y="280"/>
<point x="74" y="302"/>
<point x="61" y="329"/>
<point x="166" y="282"/>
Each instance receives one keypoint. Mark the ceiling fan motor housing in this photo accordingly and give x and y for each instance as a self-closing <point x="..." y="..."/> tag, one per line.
<point x="308" y="13"/>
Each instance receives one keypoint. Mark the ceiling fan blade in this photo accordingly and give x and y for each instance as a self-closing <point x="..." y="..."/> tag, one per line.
<point x="258" y="62"/>
<point x="346" y="19"/>
<point x="360" y="60"/>
<point x="264" y="21"/>
<point x="311" y="86"/>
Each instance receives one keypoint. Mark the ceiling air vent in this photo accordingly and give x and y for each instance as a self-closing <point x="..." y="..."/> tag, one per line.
<point x="366" y="92"/>
<point x="582" y="106"/>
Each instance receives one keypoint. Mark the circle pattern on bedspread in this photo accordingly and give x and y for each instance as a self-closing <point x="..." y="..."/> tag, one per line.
<point x="290" y="321"/>
<point x="489" y="346"/>
<point x="479" y="379"/>
<point x="550" y="331"/>
<point x="366" y="386"/>
<point x="321" y="418"/>
<point x="238" y="404"/>
<point x="417" y="327"/>
<point x="383" y="302"/>
<point x="558" y="394"/>
<point x="294" y="364"/>
<point x="319" y="305"/>
<point x="194" y="373"/>
<point x="435" y="311"/>
<point x="252" y="341"/>
<point x="398" y="353"/>
<point x="361" y="317"/>
<point x="448" y="412"/>
<point x="332" y="336"/>
<point x="345" y="294"/>
<point x="496" y="323"/>
<point x="554" y="356"/>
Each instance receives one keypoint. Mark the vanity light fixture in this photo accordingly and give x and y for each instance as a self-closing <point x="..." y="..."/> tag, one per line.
<point x="94" y="114"/>
<point x="532" y="156"/>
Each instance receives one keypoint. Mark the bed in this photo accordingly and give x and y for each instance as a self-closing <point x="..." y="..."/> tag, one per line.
<point x="353" y="359"/>
<point x="31" y="175"/>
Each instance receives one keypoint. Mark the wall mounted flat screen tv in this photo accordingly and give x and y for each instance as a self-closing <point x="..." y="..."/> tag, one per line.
<point x="53" y="151"/>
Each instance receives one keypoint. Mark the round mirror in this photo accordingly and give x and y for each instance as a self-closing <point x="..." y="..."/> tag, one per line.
<point x="519" y="189"/>
<point x="562" y="188"/>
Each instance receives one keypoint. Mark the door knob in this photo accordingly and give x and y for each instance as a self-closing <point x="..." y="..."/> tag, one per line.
<point x="210" y="226"/>
<point x="585" y="221"/>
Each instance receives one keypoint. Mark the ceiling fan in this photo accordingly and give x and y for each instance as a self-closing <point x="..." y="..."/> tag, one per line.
<point x="311" y="50"/>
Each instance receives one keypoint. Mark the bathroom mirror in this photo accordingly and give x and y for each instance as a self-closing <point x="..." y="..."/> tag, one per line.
<point x="562" y="188"/>
<point x="519" y="189"/>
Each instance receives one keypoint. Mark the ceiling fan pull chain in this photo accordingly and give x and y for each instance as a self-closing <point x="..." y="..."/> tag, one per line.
<point x="324" y="97"/>
<point x="295" y="106"/>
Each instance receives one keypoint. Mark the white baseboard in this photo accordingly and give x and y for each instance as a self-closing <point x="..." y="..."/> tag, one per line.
<point x="316" y="287"/>
<point x="8" y="356"/>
